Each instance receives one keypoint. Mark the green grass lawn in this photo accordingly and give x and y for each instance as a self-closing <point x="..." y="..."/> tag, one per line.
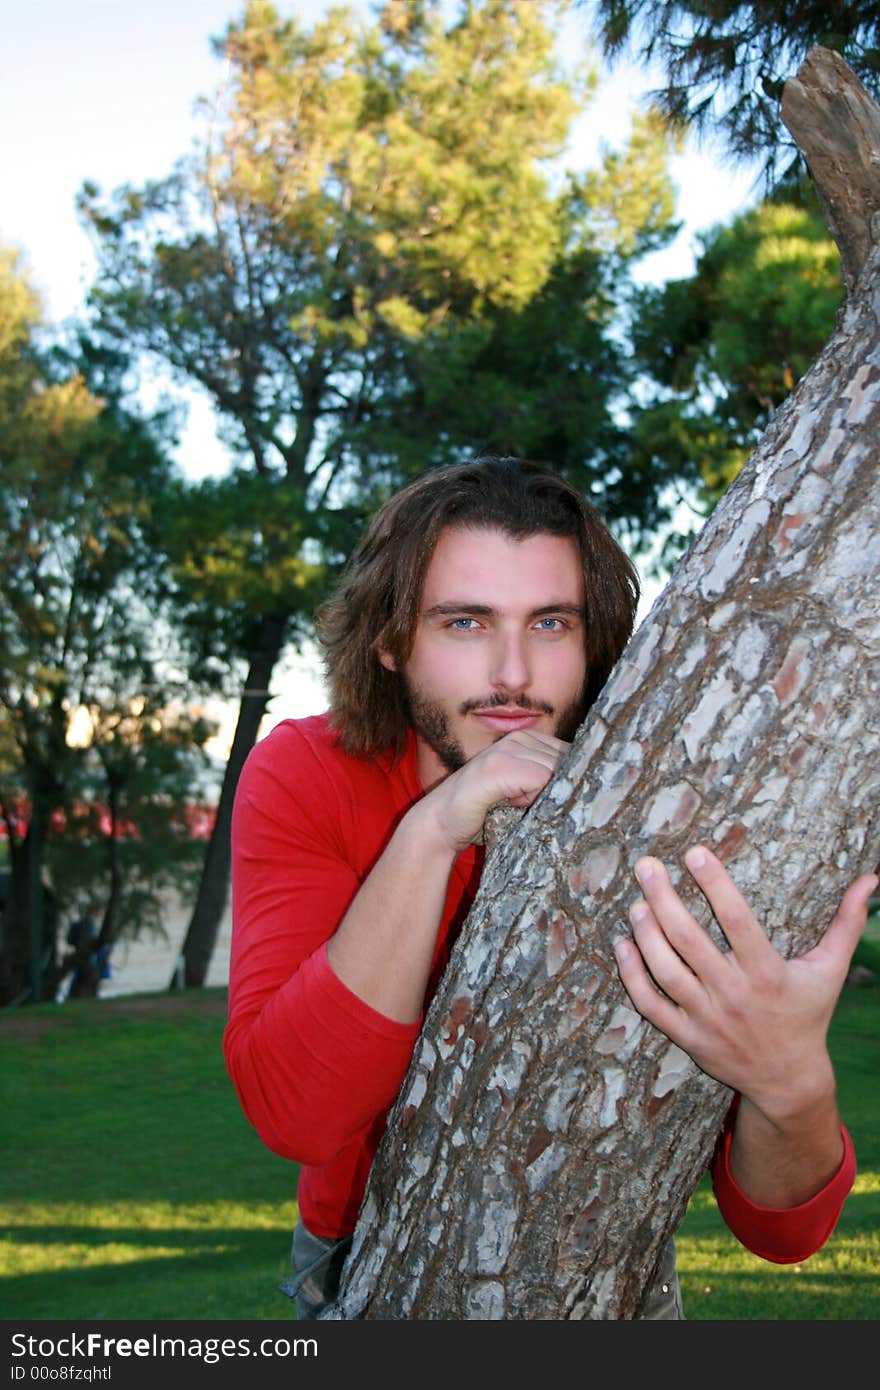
<point x="133" y="1188"/>
<point x="720" y="1279"/>
<point x="133" y="1185"/>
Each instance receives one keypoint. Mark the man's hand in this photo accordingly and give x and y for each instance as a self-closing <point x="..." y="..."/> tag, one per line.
<point x="748" y="1017"/>
<point x="514" y="769"/>
<point x="384" y="946"/>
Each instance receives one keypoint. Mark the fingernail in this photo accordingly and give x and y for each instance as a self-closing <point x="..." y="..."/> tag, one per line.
<point x="644" y="871"/>
<point x="638" y="912"/>
<point x="696" y="858"/>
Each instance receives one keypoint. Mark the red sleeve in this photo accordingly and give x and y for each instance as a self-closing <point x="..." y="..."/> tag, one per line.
<point x="310" y="1061"/>
<point x="785" y="1235"/>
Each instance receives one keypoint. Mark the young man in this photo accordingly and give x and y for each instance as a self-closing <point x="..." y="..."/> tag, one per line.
<point x="478" y="618"/>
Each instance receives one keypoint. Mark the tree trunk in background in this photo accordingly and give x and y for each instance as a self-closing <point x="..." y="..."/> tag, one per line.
<point x="27" y="942"/>
<point x="14" y="929"/>
<point x="204" y="924"/>
<point x="546" y="1139"/>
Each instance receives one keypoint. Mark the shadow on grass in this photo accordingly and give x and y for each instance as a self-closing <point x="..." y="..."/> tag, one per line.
<point x="156" y="1274"/>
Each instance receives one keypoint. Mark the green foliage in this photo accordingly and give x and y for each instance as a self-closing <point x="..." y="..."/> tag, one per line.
<point x="360" y="188"/>
<point x="514" y="384"/>
<point x="370" y="233"/>
<point x="628" y="204"/>
<point x="774" y="285"/>
<point x="84" y="633"/>
<point x="128" y="838"/>
<point x="19" y="314"/>
<point x="236" y="545"/>
<point x="724" y="348"/>
<point x="726" y="62"/>
<point x="374" y="205"/>
<point x="414" y="166"/>
<point x="351" y="189"/>
<point x="368" y="207"/>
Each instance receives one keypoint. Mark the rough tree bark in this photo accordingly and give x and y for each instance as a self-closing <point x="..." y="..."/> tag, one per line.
<point x="546" y="1140"/>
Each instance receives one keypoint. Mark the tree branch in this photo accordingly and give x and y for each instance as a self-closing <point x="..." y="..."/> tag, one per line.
<point x="836" y="125"/>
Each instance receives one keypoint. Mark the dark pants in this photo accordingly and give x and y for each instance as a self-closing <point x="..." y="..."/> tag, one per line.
<point x="663" y="1299"/>
<point x="316" y="1268"/>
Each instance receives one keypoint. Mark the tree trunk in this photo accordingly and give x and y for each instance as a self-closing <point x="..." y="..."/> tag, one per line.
<point x="15" y="933"/>
<point x="546" y="1139"/>
<point x="204" y="924"/>
<point x="28" y="946"/>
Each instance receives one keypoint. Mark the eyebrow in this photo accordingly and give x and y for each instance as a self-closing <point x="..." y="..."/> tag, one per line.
<point x="484" y="610"/>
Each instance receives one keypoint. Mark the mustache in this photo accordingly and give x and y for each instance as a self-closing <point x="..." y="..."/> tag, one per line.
<point x="499" y="698"/>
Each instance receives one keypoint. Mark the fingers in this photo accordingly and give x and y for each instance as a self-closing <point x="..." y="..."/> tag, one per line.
<point x="663" y="924"/>
<point x="536" y="736"/>
<point x="842" y="937"/>
<point x="746" y="1016"/>
<point x="662" y="1012"/>
<point x="522" y="764"/>
<point x="667" y="966"/>
<point x="512" y="769"/>
<point x="732" y="913"/>
<point x="670" y="920"/>
<point x="674" y="950"/>
<point x="745" y="936"/>
<point x="543" y="748"/>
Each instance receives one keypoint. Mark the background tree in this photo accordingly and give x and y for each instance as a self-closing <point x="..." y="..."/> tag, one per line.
<point x="721" y="350"/>
<point x="553" y="379"/>
<point x="83" y="592"/>
<point x="546" y="1139"/>
<point x="134" y="831"/>
<point x="726" y="61"/>
<point x="372" y="211"/>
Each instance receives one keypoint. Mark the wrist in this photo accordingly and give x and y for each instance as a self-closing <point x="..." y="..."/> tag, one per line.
<point x="427" y="824"/>
<point x="784" y="1150"/>
<point x="799" y="1102"/>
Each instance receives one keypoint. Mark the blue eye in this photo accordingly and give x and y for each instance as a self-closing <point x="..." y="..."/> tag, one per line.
<point x="550" y="624"/>
<point x="463" y="624"/>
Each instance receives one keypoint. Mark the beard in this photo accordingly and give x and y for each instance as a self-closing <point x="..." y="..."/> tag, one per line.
<point x="430" y="719"/>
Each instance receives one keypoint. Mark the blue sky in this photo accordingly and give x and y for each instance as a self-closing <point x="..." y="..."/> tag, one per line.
<point x="105" y="90"/>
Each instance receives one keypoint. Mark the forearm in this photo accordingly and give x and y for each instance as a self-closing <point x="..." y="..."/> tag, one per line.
<point x="384" y="946"/>
<point x="784" y="1151"/>
<point x="783" y="1235"/>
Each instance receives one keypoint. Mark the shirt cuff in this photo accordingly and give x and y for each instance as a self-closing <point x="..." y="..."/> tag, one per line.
<point x="784" y="1235"/>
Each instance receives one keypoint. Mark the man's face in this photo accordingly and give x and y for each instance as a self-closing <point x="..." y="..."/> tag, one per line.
<point x="499" y="645"/>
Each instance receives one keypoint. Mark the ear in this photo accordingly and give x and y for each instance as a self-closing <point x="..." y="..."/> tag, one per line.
<point x="386" y="659"/>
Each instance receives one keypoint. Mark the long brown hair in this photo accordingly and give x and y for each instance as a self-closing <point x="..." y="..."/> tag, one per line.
<point x="376" y="602"/>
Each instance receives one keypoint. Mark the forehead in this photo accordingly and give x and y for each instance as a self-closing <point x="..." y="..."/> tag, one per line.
<point x="486" y="566"/>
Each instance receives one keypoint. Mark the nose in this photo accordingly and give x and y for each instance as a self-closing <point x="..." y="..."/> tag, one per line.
<point x="510" y="669"/>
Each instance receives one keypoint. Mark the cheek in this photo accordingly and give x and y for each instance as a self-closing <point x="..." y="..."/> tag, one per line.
<point x="565" y="668"/>
<point x="567" y="677"/>
<point x="445" y="668"/>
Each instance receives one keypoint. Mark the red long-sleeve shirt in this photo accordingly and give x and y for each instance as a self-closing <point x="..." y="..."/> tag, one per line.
<point x="316" y="1069"/>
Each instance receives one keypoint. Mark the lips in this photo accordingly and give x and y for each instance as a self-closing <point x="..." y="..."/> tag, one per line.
<point x="508" y="719"/>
